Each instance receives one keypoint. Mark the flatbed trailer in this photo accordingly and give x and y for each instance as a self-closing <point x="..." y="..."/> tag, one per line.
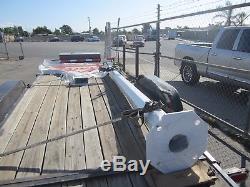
<point x="49" y="109"/>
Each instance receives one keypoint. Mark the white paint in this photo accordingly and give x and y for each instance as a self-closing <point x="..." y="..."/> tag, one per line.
<point x="144" y="167"/>
<point x="105" y="165"/>
<point x="163" y="128"/>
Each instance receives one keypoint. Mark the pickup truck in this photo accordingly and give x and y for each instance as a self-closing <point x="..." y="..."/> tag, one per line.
<point x="227" y="59"/>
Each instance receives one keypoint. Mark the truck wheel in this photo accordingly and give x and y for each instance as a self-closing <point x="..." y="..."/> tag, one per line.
<point x="189" y="74"/>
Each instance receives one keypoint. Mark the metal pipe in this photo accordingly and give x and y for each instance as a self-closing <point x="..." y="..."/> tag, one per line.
<point x="175" y="140"/>
<point x="124" y="58"/>
<point x="137" y="61"/>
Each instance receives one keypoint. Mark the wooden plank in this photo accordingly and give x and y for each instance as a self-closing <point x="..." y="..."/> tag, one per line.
<point x="109" y="141"/>
<point x="31" y="163"/>
<point x="131" y="148"/>
<point x="11" y="123"/>
<point x="9" y="164"/>
<point x="139" y="133"/>
<point x="75" y="151"/>
<point x="129" y="145"/>
<point x="55" y="151"/>
<point x="93" y="150"/>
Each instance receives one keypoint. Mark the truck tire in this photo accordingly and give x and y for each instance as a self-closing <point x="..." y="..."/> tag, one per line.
<point x="189" y="74"/>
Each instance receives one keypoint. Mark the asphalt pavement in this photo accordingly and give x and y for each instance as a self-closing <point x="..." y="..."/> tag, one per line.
<point x="208" y="94"/>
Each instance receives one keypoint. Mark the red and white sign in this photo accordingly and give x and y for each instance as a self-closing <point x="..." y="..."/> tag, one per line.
<point x="76" y="67"/>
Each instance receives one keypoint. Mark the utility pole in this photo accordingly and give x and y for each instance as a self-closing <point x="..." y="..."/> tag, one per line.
<point x="158" y="45"/>
<point x="89" y="26"/>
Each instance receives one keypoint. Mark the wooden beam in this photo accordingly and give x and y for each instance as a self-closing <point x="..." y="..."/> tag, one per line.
<point x="32" y="160"/>
<point x="9" y="164"/>
<point x="75" y="149"/>
<point x="109" y="141"/>
<point x="55" y="152"/>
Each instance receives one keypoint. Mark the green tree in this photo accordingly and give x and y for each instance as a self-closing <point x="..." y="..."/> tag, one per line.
<point x="66" y="29"/>
<point x="57" y="32"/>
<point x="20" y="30"/>
<point x="25" y="33"/>
<point x="9" y="30"/>
<point x="146" y="28"/>
<point x="136" y="31"/>
<point x="96" y="31"/>
<point x="42" y="30"/>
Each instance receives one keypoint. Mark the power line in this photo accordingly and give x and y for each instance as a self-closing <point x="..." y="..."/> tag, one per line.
<point x="190" y="14"/>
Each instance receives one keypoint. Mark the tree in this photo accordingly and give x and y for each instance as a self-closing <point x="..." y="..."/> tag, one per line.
<point x="9" y="30"/>
<point x="20" y="30"/>
<point x="240" y="18"/>
<point x="136" y="31"/>
<point x="226" y="15"/>
<point x="66" y="29"/>
<point x="146" y="28"/>
<point x="42" y="30"/>
<point x="25" y="33"/>
<point x="57" y="32"/>
<point x="96" y="31"/>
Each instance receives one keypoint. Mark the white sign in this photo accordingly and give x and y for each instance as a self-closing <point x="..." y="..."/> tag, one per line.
<point x="120" y="164"/>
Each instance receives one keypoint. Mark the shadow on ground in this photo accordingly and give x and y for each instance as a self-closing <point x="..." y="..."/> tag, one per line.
<point x="218" y="99"/>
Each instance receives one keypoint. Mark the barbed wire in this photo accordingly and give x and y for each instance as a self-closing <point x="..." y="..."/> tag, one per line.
<point x="209" y="11"/>
<point x="192" y="7"/>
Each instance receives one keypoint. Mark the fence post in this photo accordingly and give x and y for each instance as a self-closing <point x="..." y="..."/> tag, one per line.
<point x="108" y="44"/>
<point x="118" y="57"/>
<point x="124" y="59"/>
<point x="137" y="61"/>
<point x="21" y="46"/>
<point x="158" y="45"/>
<point x="248" y="115"/>
<point x="6" y="50"/>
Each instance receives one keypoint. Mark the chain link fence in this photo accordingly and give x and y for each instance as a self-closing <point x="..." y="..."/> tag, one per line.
<point x="11" y="51"/>
<point x="220" y="91"/>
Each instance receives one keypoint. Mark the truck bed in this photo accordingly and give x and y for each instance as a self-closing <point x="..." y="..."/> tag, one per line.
<point x="49" y="109"/>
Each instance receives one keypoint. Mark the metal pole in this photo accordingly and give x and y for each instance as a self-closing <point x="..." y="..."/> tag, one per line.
<point x="89" y="26"/>
<point x="21" y="46"/>
<point x="118" y="24"/>
<point x="124" y="58"/>
<point x="248" y="116"/>
<point x="158" y="45"/>
<point x="6" y="50"/>
<point x="108" y="41"/>
<point x="137" y="61"/>
<point x="171" y="136"/>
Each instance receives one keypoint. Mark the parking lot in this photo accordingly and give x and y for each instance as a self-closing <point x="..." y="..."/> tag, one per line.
<point x="208" y="94"/>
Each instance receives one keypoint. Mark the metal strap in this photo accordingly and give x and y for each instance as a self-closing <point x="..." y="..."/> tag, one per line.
<point x="133" y="113"/>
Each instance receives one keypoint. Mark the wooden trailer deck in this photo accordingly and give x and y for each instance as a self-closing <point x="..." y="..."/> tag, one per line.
<point x="49" y="109"/>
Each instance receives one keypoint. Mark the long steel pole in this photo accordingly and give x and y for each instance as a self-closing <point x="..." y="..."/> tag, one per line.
<point x="175" y="141"/>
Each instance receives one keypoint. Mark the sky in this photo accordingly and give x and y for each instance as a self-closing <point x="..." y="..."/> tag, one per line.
<point x="55" y="13"/>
